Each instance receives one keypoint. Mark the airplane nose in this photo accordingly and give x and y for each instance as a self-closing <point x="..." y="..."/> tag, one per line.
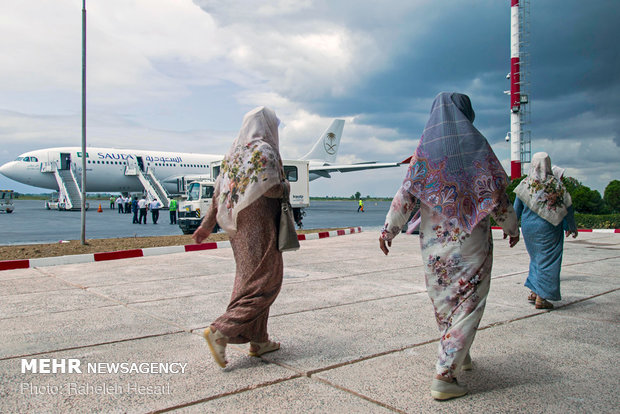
<point x="6" y="168"/>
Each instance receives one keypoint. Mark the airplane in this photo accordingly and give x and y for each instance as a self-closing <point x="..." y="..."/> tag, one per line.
<point x="108" y="169"/>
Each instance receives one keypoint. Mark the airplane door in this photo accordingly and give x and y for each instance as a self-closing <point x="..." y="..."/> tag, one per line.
<point x="140" y="163"/>
<point x="65" y="161"/>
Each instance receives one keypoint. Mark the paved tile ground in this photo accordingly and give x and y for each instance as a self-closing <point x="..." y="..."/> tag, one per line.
<point x="357" y="331"/>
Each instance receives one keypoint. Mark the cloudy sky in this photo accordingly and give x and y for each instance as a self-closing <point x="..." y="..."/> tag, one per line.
<point x="178" y="75"/>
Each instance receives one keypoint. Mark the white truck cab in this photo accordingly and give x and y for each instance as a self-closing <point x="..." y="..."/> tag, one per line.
<point x="199" y="195"/>
<point x="6" y="201"/>
<point x="195" y="204"/>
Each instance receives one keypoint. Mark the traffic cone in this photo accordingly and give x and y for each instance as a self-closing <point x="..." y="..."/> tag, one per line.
<point x="99" y="210"/>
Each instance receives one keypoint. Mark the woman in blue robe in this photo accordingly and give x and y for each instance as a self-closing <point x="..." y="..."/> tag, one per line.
<point x="545" y="209"/>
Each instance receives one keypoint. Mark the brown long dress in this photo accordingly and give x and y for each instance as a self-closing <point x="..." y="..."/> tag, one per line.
<point x="259" y="269"/>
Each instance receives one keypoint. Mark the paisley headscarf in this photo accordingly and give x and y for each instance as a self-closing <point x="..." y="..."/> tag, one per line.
<point x="250" y="168"/>
<point x="543" y="192"/>
<point x="454" y="171"/>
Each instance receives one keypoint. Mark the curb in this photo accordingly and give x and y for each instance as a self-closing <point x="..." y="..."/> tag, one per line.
<point x="583" y="230"/>
<point x="149" y="251"/>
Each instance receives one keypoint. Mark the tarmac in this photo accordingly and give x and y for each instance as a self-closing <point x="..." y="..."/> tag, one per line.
<point x="357" y="330"/>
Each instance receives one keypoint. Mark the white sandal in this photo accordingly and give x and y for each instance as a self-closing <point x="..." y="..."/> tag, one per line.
<point x="263" y="348"/>
<point x="214" y="339"/>
<point x="442" y="390"/>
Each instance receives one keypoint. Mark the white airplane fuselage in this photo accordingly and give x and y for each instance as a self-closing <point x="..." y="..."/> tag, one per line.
<point x="105" y="167"/>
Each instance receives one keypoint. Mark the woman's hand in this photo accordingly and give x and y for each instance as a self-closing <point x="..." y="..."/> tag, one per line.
<point x="383" y="247"/>
<point x="200" y="234"/>
<point x="569" y="232"/>
<point x="513" y="240"/>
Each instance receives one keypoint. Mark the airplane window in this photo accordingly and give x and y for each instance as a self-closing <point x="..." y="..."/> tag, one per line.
<point x="19" y="159"/>
<point x="34" y="159"/>
<point x="27" y="159"/>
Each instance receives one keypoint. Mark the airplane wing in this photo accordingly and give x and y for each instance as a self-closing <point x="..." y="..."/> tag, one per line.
<point x="327" y="168"/>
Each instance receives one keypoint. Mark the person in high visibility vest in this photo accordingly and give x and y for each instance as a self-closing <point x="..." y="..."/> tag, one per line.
<point x="173" y="211"/>
<point x="361" y="206"/>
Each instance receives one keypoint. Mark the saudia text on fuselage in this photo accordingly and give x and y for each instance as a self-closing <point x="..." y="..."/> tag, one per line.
<point x="124" y="157"/>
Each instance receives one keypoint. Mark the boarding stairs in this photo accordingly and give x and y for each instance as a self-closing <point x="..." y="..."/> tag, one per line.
<point x="153" y="187"/>
<point x="69" y="189"/>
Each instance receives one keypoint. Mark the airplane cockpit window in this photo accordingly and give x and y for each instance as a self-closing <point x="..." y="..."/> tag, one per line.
<point x="19" y="159"/>
<point x="26" y="159"/>
<point x="207" y="191"/>
<point x="34" y="159"/>
<point x="291" y="173"/>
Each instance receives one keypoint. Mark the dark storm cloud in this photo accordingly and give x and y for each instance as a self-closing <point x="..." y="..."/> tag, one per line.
<point x="462" y="44"/>
<point x="573" y="70"/>
<point x="574" y="81"/>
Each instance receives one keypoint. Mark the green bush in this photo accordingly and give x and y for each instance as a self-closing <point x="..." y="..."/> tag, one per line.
<point x="510" y="190"/>
<point x="597" y="221"/>
<point x="612" y="195"/>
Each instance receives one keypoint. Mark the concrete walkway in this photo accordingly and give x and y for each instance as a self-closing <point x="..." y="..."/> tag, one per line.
<point x="357" y="332"/>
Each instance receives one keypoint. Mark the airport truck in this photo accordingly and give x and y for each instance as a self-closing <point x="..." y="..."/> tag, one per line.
<point x="199" y="195"/>
<point x="6" y="201"/>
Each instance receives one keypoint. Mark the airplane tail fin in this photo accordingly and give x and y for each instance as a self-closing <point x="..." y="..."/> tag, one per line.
<point x="326" y="147"/>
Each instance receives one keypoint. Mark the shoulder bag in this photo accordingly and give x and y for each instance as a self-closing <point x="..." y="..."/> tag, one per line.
<point x="287" y="237"/>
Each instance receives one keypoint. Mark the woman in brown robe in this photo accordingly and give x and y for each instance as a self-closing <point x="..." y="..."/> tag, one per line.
<point x="246" y="205"/>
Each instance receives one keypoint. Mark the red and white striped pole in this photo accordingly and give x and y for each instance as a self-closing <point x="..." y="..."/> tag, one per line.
<point x="515" y="92"/>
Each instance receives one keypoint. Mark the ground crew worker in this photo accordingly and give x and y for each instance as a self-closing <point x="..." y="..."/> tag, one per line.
<point x="361" y="206"/>
<point x="112" y="199"/>
<point x="120" y="204"/>
<point x="142" y="208"/>
<point x="154" y="206"/>
<point x="135" y="209"/>
<point x="173" y="211"/>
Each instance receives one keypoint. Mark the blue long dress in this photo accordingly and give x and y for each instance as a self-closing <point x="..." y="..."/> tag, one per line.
<point x="545" y="245"/>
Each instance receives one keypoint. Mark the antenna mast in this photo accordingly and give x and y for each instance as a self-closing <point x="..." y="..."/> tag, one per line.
<point x="520" y="137"/>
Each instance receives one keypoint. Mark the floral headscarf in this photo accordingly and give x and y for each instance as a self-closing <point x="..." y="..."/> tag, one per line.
<point x="250" y="168"/>
<point x="543" y="192"/>
<point x="454" y="170"/>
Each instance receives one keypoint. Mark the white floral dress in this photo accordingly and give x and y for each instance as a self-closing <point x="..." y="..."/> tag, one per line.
<point x="457" y="269"/>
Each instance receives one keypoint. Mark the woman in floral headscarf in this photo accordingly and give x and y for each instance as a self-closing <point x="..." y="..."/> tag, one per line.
<point x="246" y="205"/>
<point x="545" y="209"/>
<point x="460" y="183"/>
